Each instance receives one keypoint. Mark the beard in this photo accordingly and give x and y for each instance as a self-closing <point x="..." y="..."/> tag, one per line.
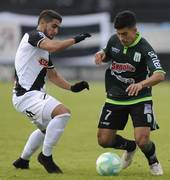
<point x="45" y="32"/>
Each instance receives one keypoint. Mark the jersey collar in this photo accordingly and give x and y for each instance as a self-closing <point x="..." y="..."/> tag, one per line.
<point x="138" y="38"/>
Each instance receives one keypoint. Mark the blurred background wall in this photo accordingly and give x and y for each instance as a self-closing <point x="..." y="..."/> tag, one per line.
<point x="93" y="16"/>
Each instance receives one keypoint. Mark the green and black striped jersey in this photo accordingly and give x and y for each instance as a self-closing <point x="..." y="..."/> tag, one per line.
<point x="129" y="65"/>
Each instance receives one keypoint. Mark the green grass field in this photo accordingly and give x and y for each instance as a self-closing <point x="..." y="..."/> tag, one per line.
<point x="77" y="150"/>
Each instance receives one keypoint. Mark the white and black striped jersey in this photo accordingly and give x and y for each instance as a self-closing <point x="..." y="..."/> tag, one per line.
<point x="31" y="63"/>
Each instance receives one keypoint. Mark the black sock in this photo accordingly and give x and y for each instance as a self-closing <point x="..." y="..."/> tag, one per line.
<point x="149" y="152"/>
<point x="122" y="143"/>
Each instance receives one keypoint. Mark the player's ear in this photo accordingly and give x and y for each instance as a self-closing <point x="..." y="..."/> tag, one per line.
<point x="42" y="23"/>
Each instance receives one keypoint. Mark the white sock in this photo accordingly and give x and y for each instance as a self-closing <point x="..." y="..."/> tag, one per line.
<point x="33" y="143"/>
<point x="54" y="131"/>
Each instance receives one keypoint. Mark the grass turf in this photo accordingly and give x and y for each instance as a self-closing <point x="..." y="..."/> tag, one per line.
<point x="78" y="150"/>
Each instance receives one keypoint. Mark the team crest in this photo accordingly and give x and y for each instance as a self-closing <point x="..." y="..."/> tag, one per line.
<point x="137" y="57"/>
<point x="115" y="50"/>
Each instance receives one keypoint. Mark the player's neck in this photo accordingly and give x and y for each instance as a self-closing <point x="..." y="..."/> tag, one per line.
<point x="40" y="28"/>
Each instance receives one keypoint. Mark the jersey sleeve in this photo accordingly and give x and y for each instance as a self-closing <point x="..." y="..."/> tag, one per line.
<point x="107" y="50"/>
<point x="152" y="60"/>
<point x="108" y="47"/>
<point x="35" y="38"/>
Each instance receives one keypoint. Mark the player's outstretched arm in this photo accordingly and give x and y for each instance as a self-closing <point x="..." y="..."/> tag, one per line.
<point x="58" y="80"/>
<point x="57" y="45"/>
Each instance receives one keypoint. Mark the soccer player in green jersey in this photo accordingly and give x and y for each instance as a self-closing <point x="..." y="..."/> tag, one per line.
<point x="133" y="69"/>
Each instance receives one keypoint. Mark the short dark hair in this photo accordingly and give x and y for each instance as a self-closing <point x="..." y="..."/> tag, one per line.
<point x="48" y="15"/>
<point x="125" y="19"/>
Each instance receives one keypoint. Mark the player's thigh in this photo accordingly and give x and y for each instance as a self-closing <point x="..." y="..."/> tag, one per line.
<point x="38" y="106"/>
<point x="113" y="117"/>
<point x="52" y="108"/>
<point x="31" y="103"/>
<point x="143" y="116"/>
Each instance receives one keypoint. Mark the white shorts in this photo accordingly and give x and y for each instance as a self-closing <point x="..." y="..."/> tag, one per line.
<point x="37" y="105"/>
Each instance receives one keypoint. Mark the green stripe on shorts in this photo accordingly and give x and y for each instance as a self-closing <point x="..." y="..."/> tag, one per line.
<point x="130" y="102"/>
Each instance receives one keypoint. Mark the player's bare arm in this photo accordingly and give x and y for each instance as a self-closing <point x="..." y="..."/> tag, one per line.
<point x="100" y="57"/>
<point x="156" y="78"/>
<point x="57" y="45"/>
<point x="59" y="81"/>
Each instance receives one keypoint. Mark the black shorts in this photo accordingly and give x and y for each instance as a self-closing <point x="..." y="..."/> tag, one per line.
<point x="116" y="116"/>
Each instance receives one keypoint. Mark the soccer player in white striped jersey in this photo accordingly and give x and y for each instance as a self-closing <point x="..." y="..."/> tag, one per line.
<point x="32" y="64"/>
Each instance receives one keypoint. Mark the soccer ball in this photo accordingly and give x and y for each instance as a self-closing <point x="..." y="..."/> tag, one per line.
<point x="108" y="164"/>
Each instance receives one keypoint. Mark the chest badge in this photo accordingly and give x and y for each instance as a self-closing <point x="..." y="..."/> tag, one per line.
<point x="137" y="57"/>
<point x="115" y="50"/>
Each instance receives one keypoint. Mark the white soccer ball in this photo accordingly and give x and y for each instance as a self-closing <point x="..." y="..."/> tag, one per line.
<point x="108" y="164"/>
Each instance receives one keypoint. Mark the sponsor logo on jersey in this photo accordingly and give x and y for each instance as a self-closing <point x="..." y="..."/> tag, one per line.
<point x="155" y="59"/>
<point x="115" y="50"/>
<point x="122" y="67"/>
<point x="137" y="57"/>
<point x="123" y="79"/>
<point x="43" y="62"/>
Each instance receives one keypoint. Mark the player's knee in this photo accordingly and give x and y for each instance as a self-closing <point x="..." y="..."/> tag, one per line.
<point x="66" y="111"/>
<point x="142" y="141"/>
<point x="60" y="110"/>
<point x="104" y="142"/>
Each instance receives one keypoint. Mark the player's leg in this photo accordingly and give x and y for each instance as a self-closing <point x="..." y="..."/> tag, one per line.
<point x="60" y="116"/>
<point x="41" y="108"/>
<point x="148" y="148"/>
<point x="33" y="143"/>
<point x="107" y="138"/>
<point x="113" y="118"/>
<point x="29" y="104"/>
<point x="143" y="121"/>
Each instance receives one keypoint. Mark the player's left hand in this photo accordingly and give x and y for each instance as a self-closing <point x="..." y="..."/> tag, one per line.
<point x="81" y="37"/>
<point x="134" y="89"/>
<point x="80" y="86"/>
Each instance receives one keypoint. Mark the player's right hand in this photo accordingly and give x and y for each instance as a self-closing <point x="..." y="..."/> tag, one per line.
<point x="99" y="57"/>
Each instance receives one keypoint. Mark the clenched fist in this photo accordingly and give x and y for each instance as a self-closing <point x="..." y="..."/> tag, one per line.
<point x="80" y="86"/>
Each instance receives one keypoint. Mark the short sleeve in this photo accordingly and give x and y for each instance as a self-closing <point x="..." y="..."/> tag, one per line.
<point x="152" y="60"/>
<point x="107" y="50"/>
<point x="35" y="38"/>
